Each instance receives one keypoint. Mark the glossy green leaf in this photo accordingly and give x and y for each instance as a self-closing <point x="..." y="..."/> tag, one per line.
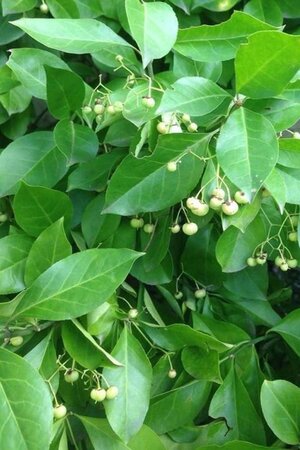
<point x="240" y="152"/>
<point x="196" y="96"/>
<point x="57" y="293"/>
<point x="245" y="215"/>
<point x="251" y="282"/>
<point x="147" y="439"/>
<point x="265" y="11"/>
<point x="258" y="65"/>
<point x="202" y="364"/>
<point x="13" y="6"/>
<point x="101" y="435"/>
<point x="71" y="35"/>
<point x="14" y="251"/>
<point x="26" y="407"/>
<point x="292" y="184"/>
<point x="61" y="9"/>
<point x="32" y="158"/>
<point x="275" y="184"/>
<point x="134" y="110"/>
<point x="144" y="21"/>
<point x="136" y="185"/>
<point x="36" y="208"/>
<point x="289" y="330"/>
<point x="218" y="42"/>
<point x="51" y="246"/>
<point x="280" y="405"/>
<point x="134" y="382"/>
<point x="236" y="445"/>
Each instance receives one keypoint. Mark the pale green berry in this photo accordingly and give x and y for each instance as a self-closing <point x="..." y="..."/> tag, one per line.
<point x="59" y="411"/>
<point x="162" y="128"/>
<point x="3" y="217"/>
<point x="99" y="108"/>
<point x="137" y="223"/>
<point x="230" y="208"/>
<point x="292" y="236"/>
<point x="112" y="392"/>
<point x="279" y="260"/>
<point x="98" y="395"/>
<point x="200" y="293"/>
<point x="175" y="228"/>
<point x="172" y="373"/>
<point x="99" y="119"/>
<point x="133" y="313"/>
<point x="241" y="198"/>
<point x="172" y="166"/>
<point x="148" y="228"/>
<point x="218" y="192"/>
<point x="201" y="210"/>
<point x="118" y="106"/>
<point x="296" y="135"/>
<point x="71" y="376"/>
<point x="149" y="102"/>
<point x="284" y="266"/>
<point x="251" y="261"/>
<point x="87" y="109"/>
<point x="44" y="8"/>
<point x="16" y="341"/>
<point x="111" y="110"/>
<point x="178" y="295"/>
<point x="192" y="127"/>
<point x="186" y="118"/>
<point x="189" y="228"/>
<point x="294" y="220"/>
<point x="119" y="58"/>
<point x="215" y="203"/>
<point x="261" y="259"/>
<point x="192" y="202"/>
<point x="292" y="263"/>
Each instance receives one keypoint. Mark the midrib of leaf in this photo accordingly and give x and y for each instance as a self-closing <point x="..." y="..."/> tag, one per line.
<point x="246" y="145"/>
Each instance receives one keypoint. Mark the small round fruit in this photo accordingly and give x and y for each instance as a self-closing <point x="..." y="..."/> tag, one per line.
<point x="149" y="102"/>
<point x="99" y="119"/>
<point x="201" y="210"/>
<point x="292" y="263"/>
<point x="192" y="127"/>
<point x="112" y="392"/>
<point x="172" y="166"/>
<point x="192" y="202"/>
<point x="200" y="293"/>
<point x="284" y="266"/>
<point x="175" y="228"/>
<point x="292" y="236"/>
<point x="190" y="228"/>
<point x="44" y="8"/>
<point x="119" y="58"/>
<point x="16" y="341"/>
<point x="294" y="220"/>
<point x="215" y="203"/>
<point x="230" y="208"/>
<point x="279" y="260"/>
<point x="87" y="109"/>
<point x="3" y="217"/>
<point x="59" y="411"/>
<point x="119" y="106"/>
<point x="111" y="110"/>
<point x="178" y="295"/>
<point x="162" y="128"/>
<point x="218" y="192"/>
<point x="71" y="376"/>
<point x="98" y="395"/>
<point x="251" y="261"/>
<point x="172" y="373"/>
<point x="261" y="260"/>
<point x="149" y="228"/>
<point x="136" y="223"/>
<point x="186" y="118"/>
<point x="99" y="108"/>
<point x="296" y="135"/>
<point x="241" y="198"/>
<point x="133" y="313"/>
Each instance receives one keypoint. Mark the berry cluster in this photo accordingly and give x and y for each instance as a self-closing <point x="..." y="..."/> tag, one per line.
<point x="164" y="127"/>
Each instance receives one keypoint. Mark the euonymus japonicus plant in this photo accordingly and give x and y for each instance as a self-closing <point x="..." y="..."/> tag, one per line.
<point x="149" y="237"/>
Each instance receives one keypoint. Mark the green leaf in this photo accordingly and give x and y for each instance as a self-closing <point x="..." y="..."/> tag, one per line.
<point x="218" y="42"/>
<point x="267" y="12"/>
<point x="145" y="21"/>
<point x="233" y="402"/>
<point x="26" y="407"/>
<point x="14" y="250"/>
<point x="32" y="158"/>
<point x="72" y="35"/>
<point x="57" y="293"/>
<point x="196" y="96"/>
<point x="77" y="142"/>
<point x="146" y="439"/>
<point x="189" y="399"/>
<point x="288" y="328"/>
<point x="292" y="183"/>
<point x="13" y="6"/>
<point x="27" y="65"/>
<point x="234" y="247"/>
<point x="133" y="382"/>
<point x="65" y="93"/>
<point x="134" y="110"/>
<point x="175" y="337"/>
<point x="251" y="282"/>
<point x="51" y="246"/>
<point x="101" y="435"/>
<point x="7" y="80"/>
<point x="61" y="9"/>
<point x="239" y="152"/>
<point x="245" y="215"/>
<point x="236" y="445"/>
<point x="183" y="67"/>
<point x="280" y="402"/>
<point x="202" y="364"/>
<point x="36" y="208"/>
<point x="145" y="184"/>
<point x="276" y="186"/>
<point x="258" y="65"/>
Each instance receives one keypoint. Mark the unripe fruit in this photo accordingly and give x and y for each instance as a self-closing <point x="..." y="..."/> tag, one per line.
<point x="192" y="127"/>
<point x="111" y="110"/>
<point x="119" y="58"/>
<point x="218" y="192"/>
<point x="215" y="203"/>
<point x="261" y="259"/>
<point x="87" y="109"/>
<point x="137" y="223"/>
<point x="44" y="8"/>
<point x="112" y="392"/>
<point x="16" y="341"/>
<point x="99" y="119"/>
<point x="172" y="373"/>
<point x="178" y="295"/>
<point x="3" y="218"/>
<point x="202" y="209"/>
<point x="59" y="411"/>
<point x="251" y="261"/>
<point x="190" y="228"/>
<point x="133" y="313"/>
<point x="99" y="108"/>
<point x="118" y="106"/>
<point x="292" y="263"/>
<point x="292" y="236"/>
<point x="240" y="197"/>
<point x="294" y="220"/>
<point x="162" y="128"/>
<point x="192" y="202"/>
<point x="186" y="118"/>
<point x="200" y="293"/>
<point x="284" y="267"/>
<point x="148" y="228"/>
<point x="230" y="208"/>
<point x="296" y="135"/>
<point x="98" y="395"/>
<point x="149" y="102"/>
<point x="279" y="260"/>
<point x="172" y="166"/>
<point x="71" y="376"/>
<point x="175" y="228"/>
